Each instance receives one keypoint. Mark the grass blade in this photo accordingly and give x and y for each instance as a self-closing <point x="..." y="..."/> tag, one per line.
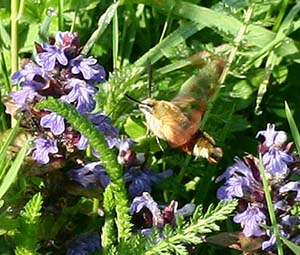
<point x="293" y="127"/>
<point x="13" y="171"/>
<point x="103" y="22"/>
<point x="293" y="247"/>
<point x="3" y="151"/>
<point x="178" y="36"/>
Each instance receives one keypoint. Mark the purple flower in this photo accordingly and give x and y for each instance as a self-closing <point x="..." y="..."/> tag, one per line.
<point x="85" y="244"/>
<point x="290" y="220"/>
<point x="82" y="143"/>
<point x="21" y="97"/>
<point x="232" y="188"/>
<point x="155" y="216"/>
<point x="281" y="205"/>
<point x="50" y="55"/>
<point x="273" y="137"/>
<point x="276" y="161"/>
<point x="66" y="39"/>
<point x="250" y="220"/>
<point x="89" y="69"/>
<point x="42" y="148"/>
<point x="147" y="201"/>
<point x="111" y="134"/>
<point x="29" y="72"/>
<point x="269" y="243"/>
<point x="240" y="181"/>
<point x="141" y="180"/>
<point x="81" y="94"/>
<point x="239" y="167"/>
<point x="291" y="186"/>
<point x="90" y="174"/>
<point x="55" y="122"/>
<point x="128" y="157"/>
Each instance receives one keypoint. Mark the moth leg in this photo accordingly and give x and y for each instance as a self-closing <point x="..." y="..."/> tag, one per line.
<point x="148" y="132"/>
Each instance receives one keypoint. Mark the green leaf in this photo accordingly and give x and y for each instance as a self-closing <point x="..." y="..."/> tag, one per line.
<point x="242" y="89"/>
<point x="23" y="251"/>
<point x="27" y="236"/>
<point x="280" y="73"/>
<point x="32" y="209"/>
<point x="134" y="129"/>
<point x="293" y="126"/>
<point x="205" y="17"/>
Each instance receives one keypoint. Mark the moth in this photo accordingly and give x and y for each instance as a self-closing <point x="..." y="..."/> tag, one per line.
<point x="177" y="121"/>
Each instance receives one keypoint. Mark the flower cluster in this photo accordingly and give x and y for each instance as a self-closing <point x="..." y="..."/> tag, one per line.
<point x="60" y="71"/>
<point x="243" y="181"/>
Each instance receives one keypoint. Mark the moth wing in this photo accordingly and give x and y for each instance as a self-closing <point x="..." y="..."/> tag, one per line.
<point x="196" y="91"/>
<point x="192" y="108"/>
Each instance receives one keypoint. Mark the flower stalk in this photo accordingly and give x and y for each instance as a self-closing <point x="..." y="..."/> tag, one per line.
<point x="270" y="206"/>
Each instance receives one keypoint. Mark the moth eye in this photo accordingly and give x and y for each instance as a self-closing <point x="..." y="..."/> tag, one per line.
<point x="146" y="108"/>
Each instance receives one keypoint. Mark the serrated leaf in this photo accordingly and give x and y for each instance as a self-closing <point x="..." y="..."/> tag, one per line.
<point x="32" y="209"/>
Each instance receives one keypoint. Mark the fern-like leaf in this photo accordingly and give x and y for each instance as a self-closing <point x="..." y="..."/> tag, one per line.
<point x="108" y="158"/>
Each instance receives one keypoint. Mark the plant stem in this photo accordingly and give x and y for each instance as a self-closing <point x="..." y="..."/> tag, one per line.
<point x="115" y="40"/>
<point x="270" y="205"/>
<point x="236" y="44"/>
<point x="280" y="15"/>
<point x="60" y="15"/>
<point x="14" y="36"/>
<point x="14" y="41"/>
<point x="95" y="206"/>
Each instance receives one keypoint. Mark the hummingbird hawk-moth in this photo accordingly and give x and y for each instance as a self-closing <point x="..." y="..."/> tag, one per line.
<point x="177" y="121"/>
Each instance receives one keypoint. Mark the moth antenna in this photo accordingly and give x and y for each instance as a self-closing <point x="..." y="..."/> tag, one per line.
<point x="150" y="72"/>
